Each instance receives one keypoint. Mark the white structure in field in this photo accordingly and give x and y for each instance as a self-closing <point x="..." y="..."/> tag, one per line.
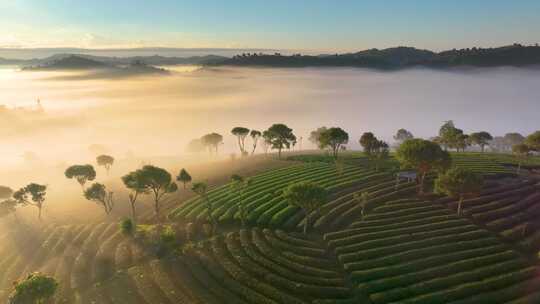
<point x="405" y="175"/>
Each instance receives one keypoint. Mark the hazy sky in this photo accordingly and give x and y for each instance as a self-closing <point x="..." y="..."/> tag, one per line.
<point x="301" y="24"/>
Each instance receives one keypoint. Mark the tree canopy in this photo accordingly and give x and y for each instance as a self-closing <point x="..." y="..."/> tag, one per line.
<point x="460" y="183"/>
<point x="37" y="194"/>
<point x="424" y="156"/>
<point x="368" y="141"/>
<point x="134" y="181"/>
<point x="98" y="193"/>
<point x="5" y="192"/>
<point x="212" y="141"/>
<point x="521" y="151"/>
<point x="255" y="135"/>
<point x="402" y="135"/>
<point x="105" y="161"/>
<point x="481" y="139"/>
<point x="36" y="288"/>
<point x="82" y="173"/>
<point x="308" y="196"/>
<point x="334" y="138"/>
<point x="315" y="136"/>
<point x="159" y="183"/>
<point x="241" y="133"/>
<point x="280" y="136"/>
<point x="533" y="141"/>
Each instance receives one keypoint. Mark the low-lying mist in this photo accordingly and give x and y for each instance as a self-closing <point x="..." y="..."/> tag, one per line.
<point x="147" y="119"/>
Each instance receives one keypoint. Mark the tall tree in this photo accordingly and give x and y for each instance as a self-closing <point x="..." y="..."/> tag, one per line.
<point x="533" y="141"/>
<point x="308" y="196"/>
<point x="255" y="135"/>
<point x="402" y="135"/>
<point x="481" y="139"/>
<point x="521" y="151"/>
<point x="36" y="288"/>
<point x="135" y="182"/>
<point x="98" y="193"/>
<point x="212" y="141"/>
<point x="184" y="177"/>
<point x="315" y="136"/>
<point x="159" y="183"/>
<point x="512" y="139"/>
<point x="201" y="189"/>
<point x="448" y="134"/>
<point x="5" y="192"/>
<point x="8" y="207"/>
<point x="424" y="156"/>
<point x="82" y="173"/>
<point x="368" y="141"/>
<point x="105" y="161"/>
<point x="280" y="137"/>
<point x="37" y="194"/>
<point x="380" y="153"/>
<point x="334" y="138"/>
<point x="267" y="141"/>
<point x="239" y="185"/>
<point x="459" y="182"/>
<point x="241" y="133"/>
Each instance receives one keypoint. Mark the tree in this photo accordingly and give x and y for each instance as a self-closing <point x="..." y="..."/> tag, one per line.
<point x="37" y="194"/>
<point x="460" y="141"/>
<point x="255" y="135"/>
<point x="368" y="141"/>
<point x="280" y="137"/>
<point x="424" y="156"/>
<point x="158" y="182"/>
<point x="241" y="133"/>
<point x="459" y="182"/>
<point x="380" y="153"/>
<point x="512" y="139"/>
<point x="8" y="207"/>
<point x="105" y="161"/>
<point x="402" y="135"/>
<point x="481" y="138"/>
<point x="267" y="141"/>
<point x="533" y="141"/>
<point x="184" y="177"/>
<point x="212" y="141"/>
<point x="521" y="151"/>
<point x="82" y="173"/>
<point x="5" y="192"/>
<point x="239" y="185"/>
<point x="195" y="146"/>
<point x="315" y="136"/>
<point x="36" y="288"/>
<point x="308" y="196"/>
<point x="201" y="189"/>
<point x="134" y="181"/>
<point x="362" y="199"/>
<point x="334" y="138"/>
<point x="99" y="194"/>
<point x="447" y="134"/>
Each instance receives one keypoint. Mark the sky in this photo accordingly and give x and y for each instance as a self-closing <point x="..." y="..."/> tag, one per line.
<point x="308" y="25"/>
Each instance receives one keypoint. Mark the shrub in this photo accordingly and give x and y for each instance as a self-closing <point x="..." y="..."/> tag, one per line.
<point x="36" y="288"/>
<point x="127" y="227"/>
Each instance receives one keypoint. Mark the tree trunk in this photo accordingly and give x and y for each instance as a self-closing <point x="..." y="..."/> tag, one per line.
<point x="421" y="186"/>
<point x="133" y="216"/>
<point x="459" y="205"/>
<point x="156" y="210"/>
<point x="519" y="167"/>
<point x="279" y="153"/>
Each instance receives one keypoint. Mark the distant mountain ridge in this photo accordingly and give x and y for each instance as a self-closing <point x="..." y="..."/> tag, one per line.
<point x="399" y="57"/>
<point x="390" y="58"/>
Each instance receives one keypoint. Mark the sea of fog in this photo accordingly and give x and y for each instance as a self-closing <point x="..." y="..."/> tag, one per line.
<point x="141" y="120"/>
<point x="157" y="116"/>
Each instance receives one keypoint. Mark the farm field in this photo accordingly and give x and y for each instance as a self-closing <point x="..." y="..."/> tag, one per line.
<point x="397" y="248"/>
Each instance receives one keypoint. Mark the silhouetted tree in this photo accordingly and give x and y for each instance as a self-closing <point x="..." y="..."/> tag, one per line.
<point x="105" y="161"/>
<point x="8" y="207"/>
<point x="255" y="135"/>
<point x="315" y="136"/>
<point x="201" y="189"/>
<point x="459" y="182"/>
<point x="368" y="141"/>
<point x="267" y="141"/>
<point x="481" y="138"/>
<point x="135" y="182"/>
<point x="379" y="153"/>
<point x="308" y="196"/>
<point x="424" y="156"/>
<point x="98" y="193"/>
<point x="37" y="194"/>
<point x="5" y="192"/>
<point x="159" y="183"/>
<point x="402" y="135"/>
<point x="334" y="138"/>
<point x="184" y="177"/>
<point x="82" y="173"/>
<point x="212" y="141"/>
<point x="241" y="133"/>
<point x="280" y="137"/>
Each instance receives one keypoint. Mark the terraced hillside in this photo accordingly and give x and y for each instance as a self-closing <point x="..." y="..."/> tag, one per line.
<point x="398" y="248"/>
<point x="510" y="209"/>
<point x="411" y="251"/>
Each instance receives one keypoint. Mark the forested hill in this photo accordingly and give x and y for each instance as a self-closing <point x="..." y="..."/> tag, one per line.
<point x="399" y="57"/>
